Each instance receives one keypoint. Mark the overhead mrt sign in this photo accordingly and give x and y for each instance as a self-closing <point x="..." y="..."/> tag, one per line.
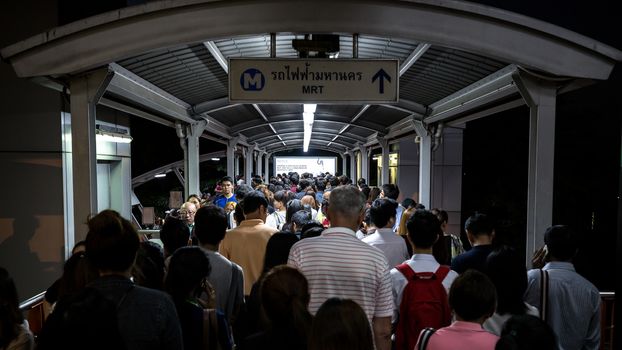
<point x="273" y="80"/>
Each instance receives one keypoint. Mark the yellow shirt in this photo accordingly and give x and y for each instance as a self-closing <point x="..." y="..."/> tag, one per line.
<point x="245" y="245"/>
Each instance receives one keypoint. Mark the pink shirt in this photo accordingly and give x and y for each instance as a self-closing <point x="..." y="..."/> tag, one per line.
<point x="462" y="335"/>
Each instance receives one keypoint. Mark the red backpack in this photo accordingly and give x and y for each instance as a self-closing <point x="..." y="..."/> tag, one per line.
<point x="424" y="304"/>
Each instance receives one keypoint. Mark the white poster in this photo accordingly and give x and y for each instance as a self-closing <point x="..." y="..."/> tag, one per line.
<point x="314" y="165"/>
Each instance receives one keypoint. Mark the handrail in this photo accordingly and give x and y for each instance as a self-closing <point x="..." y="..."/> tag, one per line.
<point x="28" y="304"/>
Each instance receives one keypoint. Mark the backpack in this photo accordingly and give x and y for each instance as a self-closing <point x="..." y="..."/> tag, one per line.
<point x="424" y="304"/>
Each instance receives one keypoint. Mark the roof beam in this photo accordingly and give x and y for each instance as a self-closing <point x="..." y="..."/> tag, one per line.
<point x="413" y="57"/>
<point x="493" y="87"/>
<point x="138" y="90"/>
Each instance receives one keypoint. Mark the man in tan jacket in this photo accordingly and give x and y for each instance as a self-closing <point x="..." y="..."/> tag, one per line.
<point x="246" y="244"/>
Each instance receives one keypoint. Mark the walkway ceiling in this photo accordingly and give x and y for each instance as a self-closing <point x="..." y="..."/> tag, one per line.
<point x="456" y="60"/>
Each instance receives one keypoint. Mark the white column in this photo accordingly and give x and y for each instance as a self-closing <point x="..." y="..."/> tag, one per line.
<point x="231" y="157"/>
<point x="85" y="93"/>
<point x="384" y="144"/>
<point x="344" y="168"/>
<point x="541" y="98"/>
<point x="248" y="166"/>
<point x="259" y="164"/>
<point x="236" y="165"/>
<point x="352" y="172"/>
<point x="364" y="162"/>
<point x="425" y="164"/>
<point x="266" y="168"/>
<point x="192" y="175"/>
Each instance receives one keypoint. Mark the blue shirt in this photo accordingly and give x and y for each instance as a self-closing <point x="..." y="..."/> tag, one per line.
<point x="573" y="306"/>
<point x="222" y="201"/>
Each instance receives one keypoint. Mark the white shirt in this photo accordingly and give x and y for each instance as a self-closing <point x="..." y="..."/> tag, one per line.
<point x="276" y="219"/>
<point x="392" y="245"/>
<point x="494" y="324"/>
<point x="337" y="264"/>
<point x="419" y="263"/>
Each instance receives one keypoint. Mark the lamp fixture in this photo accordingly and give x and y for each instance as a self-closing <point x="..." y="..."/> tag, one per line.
<point x="112" y="134"/>
<point x="216" y="159"/>
<point x="160" y="175"/>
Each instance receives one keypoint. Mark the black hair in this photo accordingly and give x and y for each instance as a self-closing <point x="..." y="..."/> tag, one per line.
<point x="507" y="271"/>
<point x="423" y="229"/>
<point x="210" y="224"/>
<point x="441" y="215"/>
<point x="78" y="272"/>
<point x="227" y="179"/>
<point x="284" y="295"/>
<point x="526" y="332"/>
<point x="561" y="242"/>
<point x="374" y="192"/>
<point x="479" y="224"/>
<point x="241" y="191"/>
<point x="253" y="201"/>
<point x="148" y="270"/>
<point x="188" y="267"/>
<point x="408" y="202"/>
<point x="10" y="315"/>
<point x="293" y="206"/>
<point x="281" y="196"/>
<point x="381" y="211"/>
<point x="340" y="324"/>
<point x="391" y="191"/>
<point x="311" y="229"/>
<point x="111" y="242"/>
<point x="301" y="217"/>
<point x="334" y="181"/>
<point x="174" y="234"/>
<point x="472" y="296"/>
<point x="361" y="181"/>
<point x="277" y="249"/>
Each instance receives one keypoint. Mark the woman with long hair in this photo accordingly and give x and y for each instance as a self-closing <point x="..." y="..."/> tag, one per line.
<point x="14" y="332"/>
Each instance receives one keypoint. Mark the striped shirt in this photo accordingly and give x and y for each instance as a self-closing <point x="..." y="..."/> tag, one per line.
<point x="573" y="306"/>
<point x="337" y="264"/>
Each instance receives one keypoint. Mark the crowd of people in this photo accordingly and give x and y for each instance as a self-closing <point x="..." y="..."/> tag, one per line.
<point x="309" y="262"/>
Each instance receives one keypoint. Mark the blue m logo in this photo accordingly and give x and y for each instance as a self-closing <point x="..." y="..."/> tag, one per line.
<point x="252" y="80"/>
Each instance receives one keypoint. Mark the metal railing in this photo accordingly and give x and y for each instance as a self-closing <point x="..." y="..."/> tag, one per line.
<point x="607" y="321"/>
<point x="35" y="311"/>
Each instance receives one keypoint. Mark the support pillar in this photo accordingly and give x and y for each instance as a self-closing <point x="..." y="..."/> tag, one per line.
<point x="384" y="144"/>
<point x="232" y="157"/>
<point x="236" y="166"/>
<point x="541" y="97"/>
<point x="266" y="168"/>
<point x="364" y="162"/>
<point x="192" y="175"/>
<point x="259" y="164"/>
<point x="86" y="91"/>
<point x="425" y="163"/>
<point x="248" y="166"/>
<point x="352" y="172"/>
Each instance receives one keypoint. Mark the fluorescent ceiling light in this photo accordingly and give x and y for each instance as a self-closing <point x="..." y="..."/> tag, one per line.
<point x="112" y="137"/>
<point x="307" y="118"/>
<point x="216" y="159"/>
<point x="160" y="175"/>
<point x="310" y="107"/>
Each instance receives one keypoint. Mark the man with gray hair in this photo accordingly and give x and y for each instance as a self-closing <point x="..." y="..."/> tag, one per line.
<point x="337" y="264"/>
